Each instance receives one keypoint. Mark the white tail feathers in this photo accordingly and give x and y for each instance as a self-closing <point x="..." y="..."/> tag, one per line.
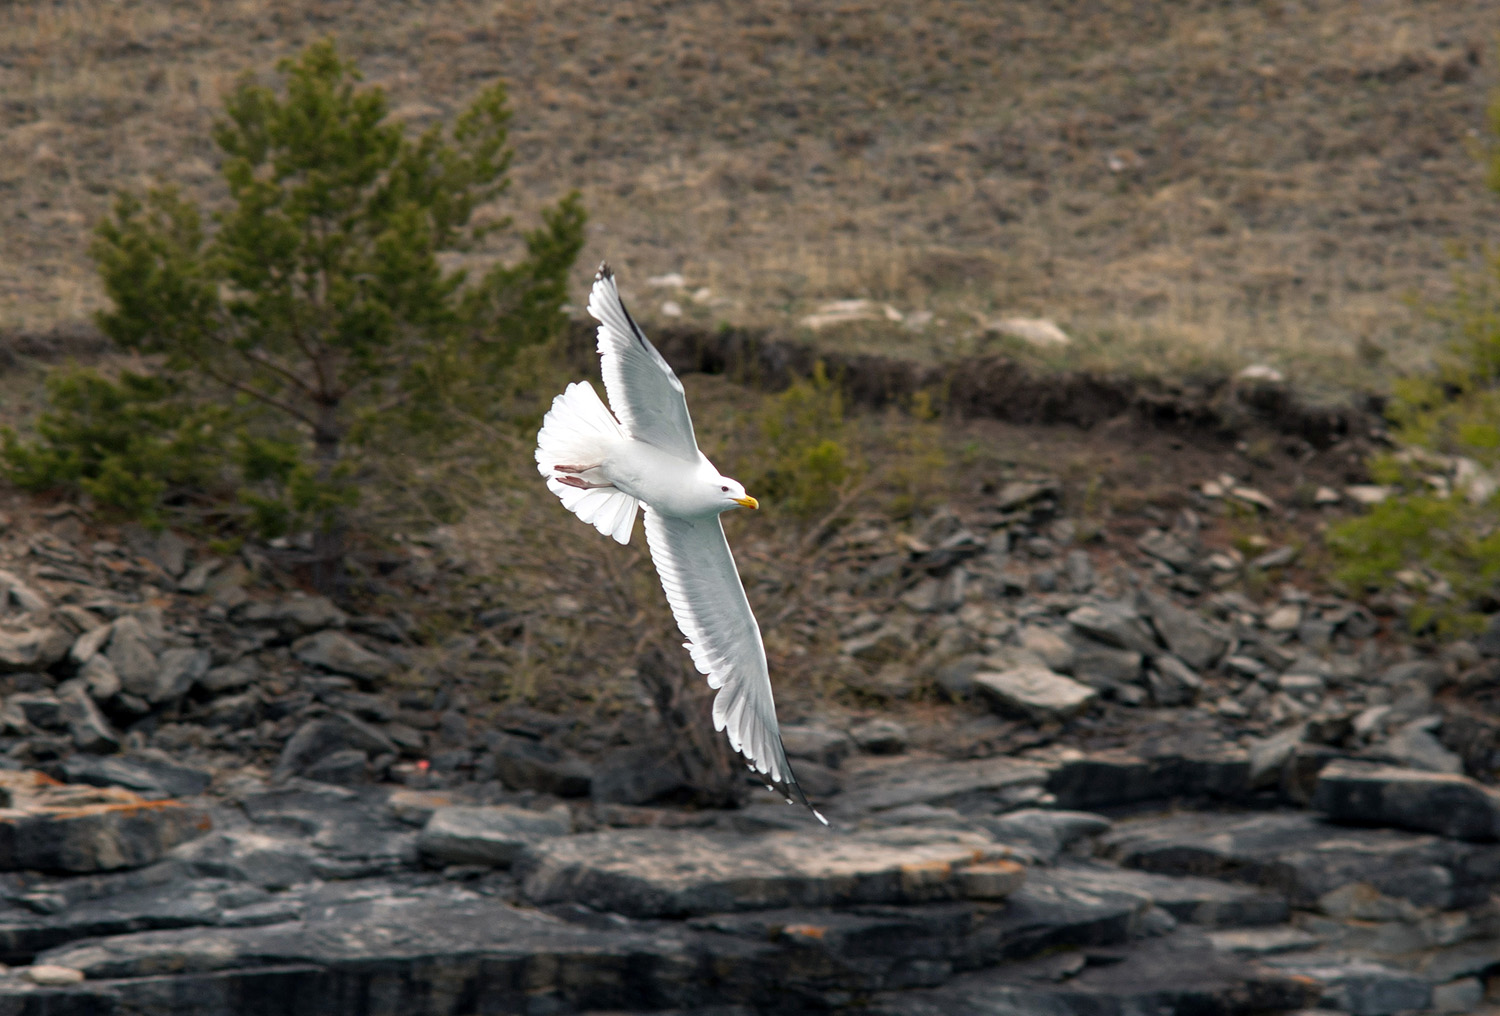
<point x="577" y="432"/>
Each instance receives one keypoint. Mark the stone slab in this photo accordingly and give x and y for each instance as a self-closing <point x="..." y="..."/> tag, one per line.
<point x="1362" y="793"/>
<point x="1297" y="854"/>
<point x="678" y="872"/>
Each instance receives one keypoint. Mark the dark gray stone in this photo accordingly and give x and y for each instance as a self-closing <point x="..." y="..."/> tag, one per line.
<point x="1035" y="692"/>
<point x="345" y="767"/>
<point x="987" y="785"/>
<point x="27" y="646"/>
<point x="334" y="651"/>
<point x="1165" y="546"/>
<point x="493" y="834"/>
<point x="820" y="744"/>
<point x="1361" y="987"/>
<point x="1114" y="624"/>
<point x="880" y="737"/>
<point x="1297" y="854"/>
<point x="1172" y="682"/>
<point x="91" y="731"/>
<point x="1180" y="974"/>
<point x="1359" y="793"/>
<point x="1192" y="768"/>
<point x="637" y="774"/>
<point x="1196" y="641"/>
<point x="130" y="652"/>
<point x="676" y="872"/>
<point x="293" y="617"/>
<point x="40" y="708"/>
<point x="178" y="670"/>
<point x="220" y="680"/>
<point x="318" y="738"/>
<point x="153" y="778"/>
<point x="55" y="827"/>
<point x="524" y="764"/>
<point x="1043" y="832"/>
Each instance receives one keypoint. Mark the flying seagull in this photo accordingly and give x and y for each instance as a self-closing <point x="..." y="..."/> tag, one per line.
<point x="603" y="466"/>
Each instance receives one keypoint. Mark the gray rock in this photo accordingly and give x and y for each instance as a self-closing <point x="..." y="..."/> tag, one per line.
<point x="1104" y="667"/>
<point x="880" y="737"/>
<point x="153" y="777"/>
<point x="1196" y="641"/>
<point x="1264" y="941"/>
<point x="1413" y="745"/>
<point x="524" y="764"/>
<point x="40" y="708"/>
<point x="1114" y="624"/>
<point x="637" y="774"/>
<point x="1080" y="571"/>
<point x="676" y="872"/>
<point x="1361" y="987"/>
<point x="1360" y="793"/>
<point x="1046" y="833"/>
<point x="99" y="676"/>
<point x="1050" y="647"/>
<point x="1464" y="995"/>
<point x="494" y="835"/>
<point x="987" y="784"/>
<point x="178" y="670"/>
<point x="130" y="653"/>
<point x="22" y="595"/>
<point x="91" y="731"/>
<point x="294" y="616"/>
<point x="884" y="645"/>
<point x="823" y="745"/>
<point x="334" y="651"/>
<point x="196" y="580"/>
<point x="325" y="735"/>
<point x="26" y="646"/>
<point x="1269" y="755"/>
<point x="1172" y="682"/>
<point x="1187" y="767"/>
<point x="219" y="680"/>
<point x="1164" y="546"/>
<point x="53" y="827"/>
<point x="1036" y="693"/>
<point x="1179" y="974"/>
<point x="345" y="767"/>
<point x="1297" y="854"/>
<point x="1207" y="902"/>
<point x="89" y="644"/>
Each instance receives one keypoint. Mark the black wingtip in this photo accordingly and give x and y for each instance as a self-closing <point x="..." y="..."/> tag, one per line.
<point x="604" y="272"/>
<point x="791" y="791"/>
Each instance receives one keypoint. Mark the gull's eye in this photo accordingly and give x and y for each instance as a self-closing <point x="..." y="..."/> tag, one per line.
<point x="724" y="489"/>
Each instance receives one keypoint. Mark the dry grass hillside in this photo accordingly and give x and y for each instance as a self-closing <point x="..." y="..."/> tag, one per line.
<point x="1173" y="183"/>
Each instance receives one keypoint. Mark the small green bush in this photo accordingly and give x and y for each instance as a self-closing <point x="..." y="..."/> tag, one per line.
<point x="1439" y="534"/>
<point x="804" y="437"/>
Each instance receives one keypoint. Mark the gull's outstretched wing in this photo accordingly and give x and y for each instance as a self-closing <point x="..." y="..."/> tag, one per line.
<point x="643" y="391"/>
<point x="708" y="600"/>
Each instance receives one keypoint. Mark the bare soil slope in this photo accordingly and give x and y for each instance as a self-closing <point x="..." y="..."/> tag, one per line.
<point x="1172" y="183"/>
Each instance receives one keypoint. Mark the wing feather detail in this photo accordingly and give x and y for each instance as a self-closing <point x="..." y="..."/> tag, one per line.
<point x="644" y="392"/>
<point x="708" y="600"/>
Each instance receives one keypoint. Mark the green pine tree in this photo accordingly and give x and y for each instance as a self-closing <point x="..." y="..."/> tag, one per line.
<point x="318" y="301"/>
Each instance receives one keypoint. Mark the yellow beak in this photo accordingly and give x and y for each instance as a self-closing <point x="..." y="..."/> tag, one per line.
<point x="747" y="502"/>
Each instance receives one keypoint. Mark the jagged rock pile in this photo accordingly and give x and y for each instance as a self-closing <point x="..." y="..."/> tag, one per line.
<point x="227" y="799"/>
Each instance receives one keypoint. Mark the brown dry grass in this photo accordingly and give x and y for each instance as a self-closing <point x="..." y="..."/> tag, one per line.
<point x="1176" y="184"/>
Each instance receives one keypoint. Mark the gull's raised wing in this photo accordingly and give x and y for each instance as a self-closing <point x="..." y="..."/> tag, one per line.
<point x="708" y="600"/>
<point x="643" y="390"/>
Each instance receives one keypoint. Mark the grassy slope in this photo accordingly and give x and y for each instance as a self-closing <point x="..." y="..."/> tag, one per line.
<point x="1174" y="183"/>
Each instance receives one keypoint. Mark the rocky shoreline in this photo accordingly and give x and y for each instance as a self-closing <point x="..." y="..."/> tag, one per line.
<point x="1149" y="792"/>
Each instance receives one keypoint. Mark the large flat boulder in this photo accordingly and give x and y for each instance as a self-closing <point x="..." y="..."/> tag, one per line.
<point x="1035" y="692"/>
<point x="1363" y="793"/>
<point x="51" y="826"/>
<point x="989" y="784"/>
<point x="1304" y="857"/>
<point x="1179" y="974"/>
<point x="677" y="872"/>
<point x="488" y="834"/>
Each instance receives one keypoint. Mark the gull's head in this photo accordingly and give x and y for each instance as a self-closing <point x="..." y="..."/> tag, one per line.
<point x="732" y="495"/>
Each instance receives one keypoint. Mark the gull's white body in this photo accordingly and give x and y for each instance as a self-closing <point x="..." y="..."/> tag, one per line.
<point x="604" y="468"/>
